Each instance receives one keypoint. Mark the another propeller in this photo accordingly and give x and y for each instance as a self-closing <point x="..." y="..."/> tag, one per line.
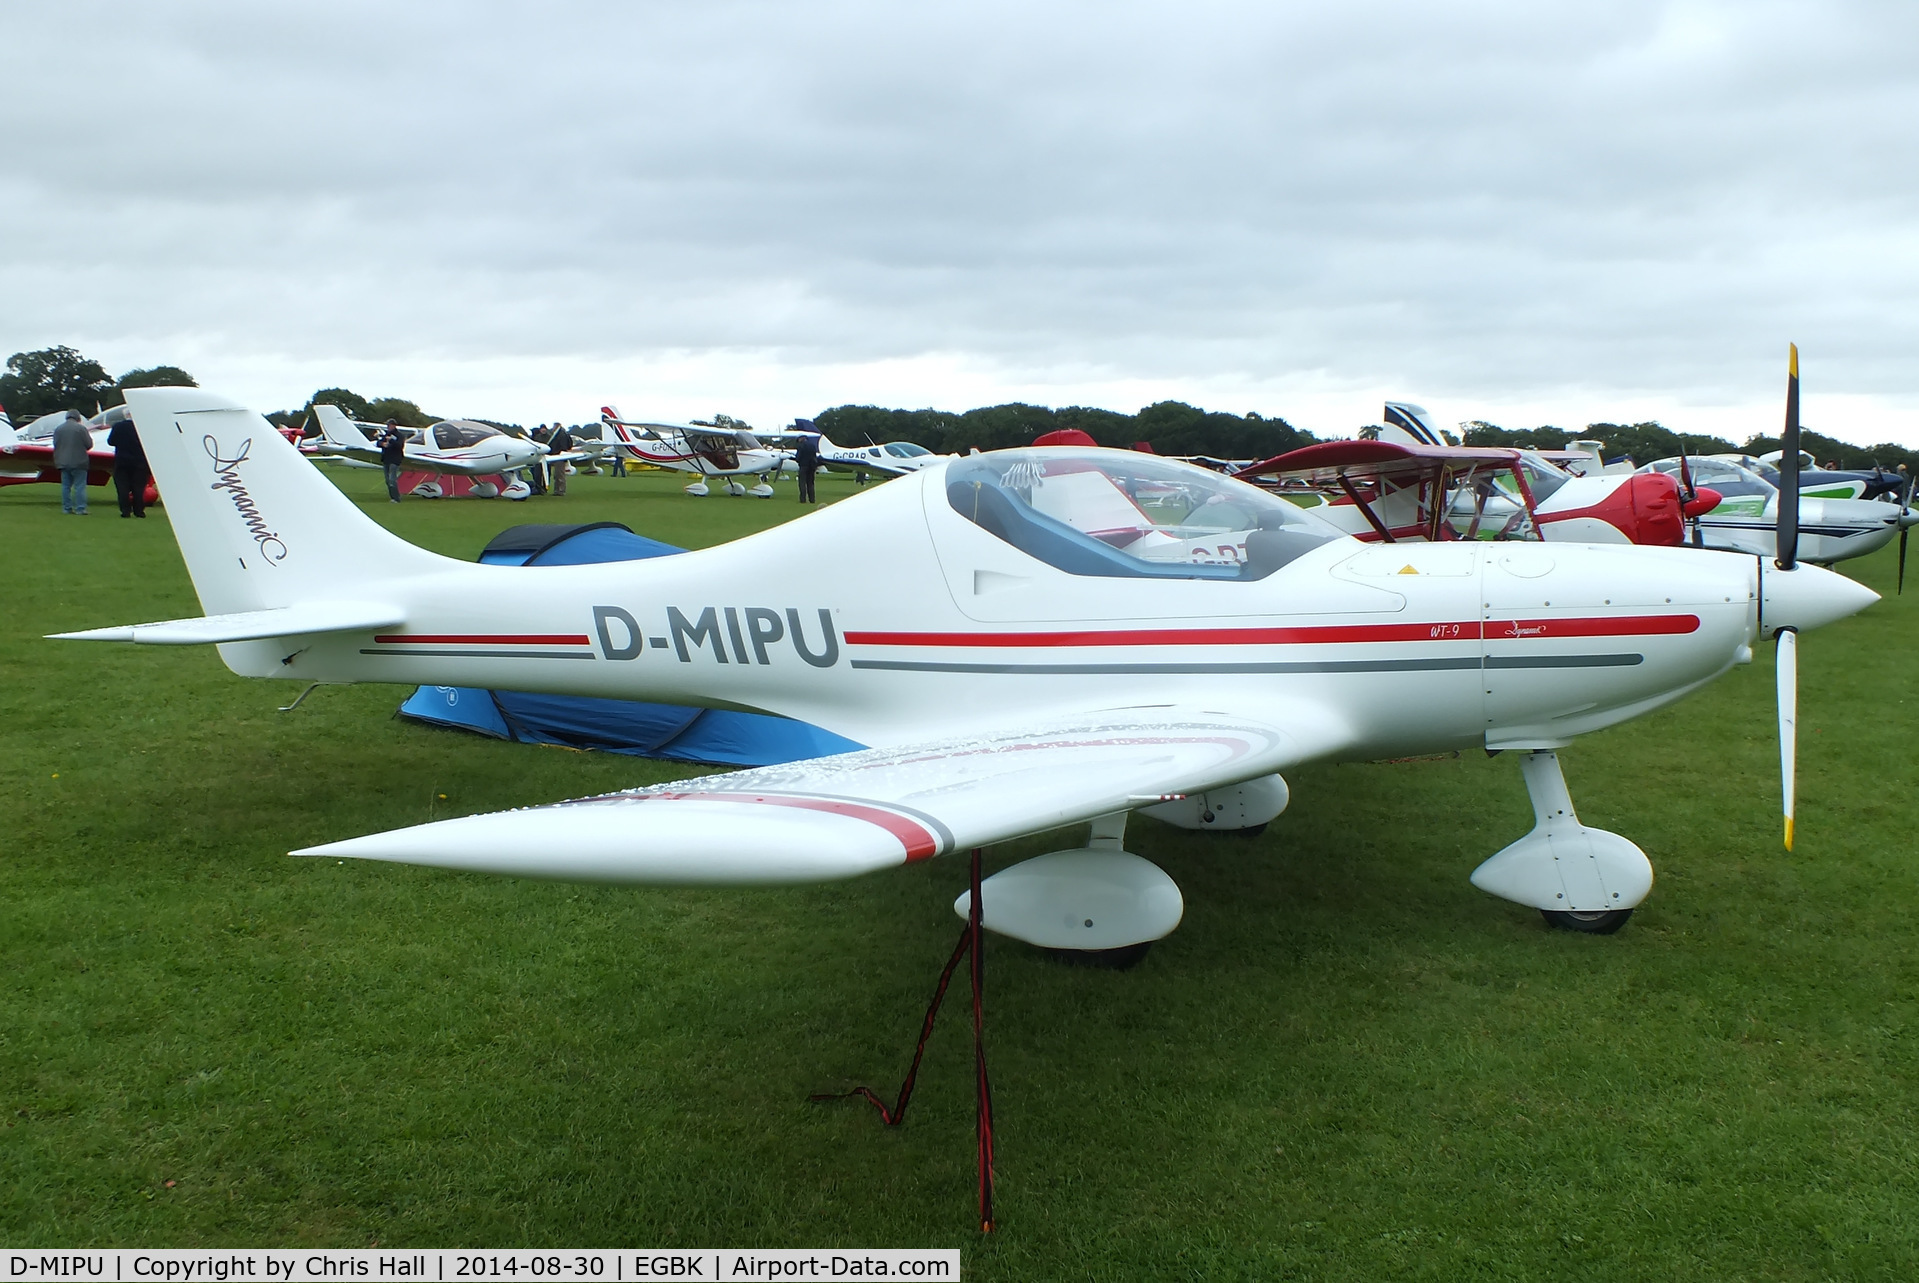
<point x="1905" y="529"/>
<point x="1689" y="505"/>
<point x="1786" y="659"/>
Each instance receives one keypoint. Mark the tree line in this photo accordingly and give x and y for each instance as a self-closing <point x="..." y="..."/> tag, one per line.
<point x="60" y="378"/>
<point x="1645" y="442"/>
<point x="1170" y="427"/>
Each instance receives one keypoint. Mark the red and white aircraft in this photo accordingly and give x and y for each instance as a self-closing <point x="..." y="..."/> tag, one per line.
<point x="1407" y="481"/>
<point x="704" y="451"/>
<point x="26" y="455"/>
<point x="1041" y="637"/>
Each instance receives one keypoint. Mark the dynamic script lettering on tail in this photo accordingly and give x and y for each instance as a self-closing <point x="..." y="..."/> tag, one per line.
<point x="729" y="634"/>
<point x="226" y="472"/>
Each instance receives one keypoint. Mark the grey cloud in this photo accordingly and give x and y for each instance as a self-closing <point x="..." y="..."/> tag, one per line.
<point x="1478" y="200"/>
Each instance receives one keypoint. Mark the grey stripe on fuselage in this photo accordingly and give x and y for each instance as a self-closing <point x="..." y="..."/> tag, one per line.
<point x="1294" y="666"/>
<point x="488" y="654"/>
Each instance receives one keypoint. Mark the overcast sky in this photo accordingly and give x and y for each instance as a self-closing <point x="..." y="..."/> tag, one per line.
<point x="1523" y="212"/>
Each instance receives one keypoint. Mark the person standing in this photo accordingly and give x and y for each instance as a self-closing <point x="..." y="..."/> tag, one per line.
<point x="561" y="442"/>
<point x="393" y="457"/>
<point x="71" y="441"/>
<point x="807" y="456"/>
<point x="129" y="468"/>
<point x="536" y="471"/>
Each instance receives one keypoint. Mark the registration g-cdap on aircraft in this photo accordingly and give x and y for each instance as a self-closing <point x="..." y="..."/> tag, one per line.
<point x="1056" y="636"/>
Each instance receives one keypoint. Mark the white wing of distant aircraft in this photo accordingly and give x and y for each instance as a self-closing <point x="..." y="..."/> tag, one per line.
<point x="706" y="452"/>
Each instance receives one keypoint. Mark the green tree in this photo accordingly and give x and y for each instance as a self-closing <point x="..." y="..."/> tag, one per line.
<point x="392" y="407"/>
<point x="1170" y="427"/>
<point x="159" y="376"/>
<point x="352" y="404"/>
<point x="54" y="378"/>
<point x="1640" y="442"/>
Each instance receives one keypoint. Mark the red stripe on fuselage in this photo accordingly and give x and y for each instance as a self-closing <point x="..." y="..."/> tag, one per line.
<point x="920" y="844"/>
<point x="487" y="639"/>
<point x="1463" y="630"/>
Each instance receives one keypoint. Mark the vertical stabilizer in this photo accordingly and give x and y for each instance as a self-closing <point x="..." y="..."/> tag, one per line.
<point x="339" y="430"/>
<point x="258" y="525"/>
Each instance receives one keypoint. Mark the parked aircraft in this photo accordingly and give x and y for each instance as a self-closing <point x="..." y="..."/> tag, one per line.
<point x="1395" y="490"/>
<point x="707" y="452"/>
<point x="1746" y="516"/>
<point x="453" y="448"/>
<point x="1063" y="635"/>
<point x="26" y="455"/>
<point x="893" y="459"/>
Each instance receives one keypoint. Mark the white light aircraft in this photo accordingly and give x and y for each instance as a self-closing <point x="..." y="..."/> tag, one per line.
<point x="707" y="452"/>
<point x="893" y="459"/>
<point x="1053" y="636"/>
<point x="456" y="447"/>
<point x="1746" y="516"/>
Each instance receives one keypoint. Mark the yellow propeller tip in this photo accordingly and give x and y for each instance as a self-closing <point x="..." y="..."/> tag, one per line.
<point x="1794" y="349"/>
<point x="1789" y="833"/>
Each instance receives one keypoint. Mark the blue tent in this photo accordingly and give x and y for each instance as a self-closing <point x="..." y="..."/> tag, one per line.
<point x="667" y="731"/>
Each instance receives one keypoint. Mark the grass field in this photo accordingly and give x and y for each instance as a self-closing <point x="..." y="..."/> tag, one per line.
<point x="1346" y="1063"/>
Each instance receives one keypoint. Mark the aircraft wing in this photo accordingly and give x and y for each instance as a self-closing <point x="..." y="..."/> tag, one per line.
<point x="1324" y="461"/>
<point x="841" y="816"/>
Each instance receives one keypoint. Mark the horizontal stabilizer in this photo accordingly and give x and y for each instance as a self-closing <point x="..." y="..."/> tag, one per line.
<point x="251" y="625"/>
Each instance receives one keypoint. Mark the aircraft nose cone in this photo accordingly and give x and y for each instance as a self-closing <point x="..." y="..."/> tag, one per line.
<point x="1808" y="597"/>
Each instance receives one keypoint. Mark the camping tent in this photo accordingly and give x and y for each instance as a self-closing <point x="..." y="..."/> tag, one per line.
<point x="668" y="731"/>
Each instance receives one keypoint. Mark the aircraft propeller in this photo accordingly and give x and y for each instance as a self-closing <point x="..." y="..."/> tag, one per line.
<point x="1905" y="529"/>
<point x="1690" y="497"/>
<point x="1787" y="654"/>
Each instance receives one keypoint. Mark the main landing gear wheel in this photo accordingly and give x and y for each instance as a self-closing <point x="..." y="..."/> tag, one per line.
<point x="1124" y="958"/>
<point x="1598" y="922"/>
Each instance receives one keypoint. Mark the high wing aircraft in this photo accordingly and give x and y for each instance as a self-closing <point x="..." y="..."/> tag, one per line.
<point x="707" y="452"/>
<point x="1395" y="490"/>
<point x="26" y="454"/>
<point x="455" y="447"/>
<point x="1062" y="636"/>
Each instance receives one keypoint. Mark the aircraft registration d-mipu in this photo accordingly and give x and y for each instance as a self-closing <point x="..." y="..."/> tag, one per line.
<point x="1053" y="636"/>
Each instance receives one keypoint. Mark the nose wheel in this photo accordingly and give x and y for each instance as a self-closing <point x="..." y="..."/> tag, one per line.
<point x="1601" y="922"/>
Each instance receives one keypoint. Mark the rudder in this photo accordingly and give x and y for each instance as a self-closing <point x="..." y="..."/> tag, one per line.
<point x="257" y="524"/>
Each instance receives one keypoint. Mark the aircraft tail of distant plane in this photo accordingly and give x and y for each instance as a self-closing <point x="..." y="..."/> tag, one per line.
<point x="259" y="526"/>
<point x="337" y="429"/>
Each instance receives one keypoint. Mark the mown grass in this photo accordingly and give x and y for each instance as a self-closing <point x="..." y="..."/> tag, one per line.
<point x="1346" y="1064"/>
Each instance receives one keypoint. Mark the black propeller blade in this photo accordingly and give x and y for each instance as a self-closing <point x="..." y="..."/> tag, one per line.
<point x="1905" y="506"/>
<point x="1691" y="493"/>
<point x="1788" y="537"/>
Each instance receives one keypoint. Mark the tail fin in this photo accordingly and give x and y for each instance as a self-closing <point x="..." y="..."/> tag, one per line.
<point x="337" y="429"/>
<point x="1411" y="419"/>
<point x="258" y="525"/>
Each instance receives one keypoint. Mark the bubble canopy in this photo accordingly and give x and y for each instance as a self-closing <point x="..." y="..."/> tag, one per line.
<point x="1121" y="514"/>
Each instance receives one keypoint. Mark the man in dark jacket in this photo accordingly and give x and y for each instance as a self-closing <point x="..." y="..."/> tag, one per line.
<point x="536" y="471"/>
<point x="807" y="455"/>
<point x="393" y="457"/>
<point x="129" y="468"/>
<point x="71" y="441"/>
<point x="561" y="442"/>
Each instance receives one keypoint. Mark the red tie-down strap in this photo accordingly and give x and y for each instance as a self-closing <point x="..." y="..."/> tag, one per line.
<point x="970" y="941"/>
